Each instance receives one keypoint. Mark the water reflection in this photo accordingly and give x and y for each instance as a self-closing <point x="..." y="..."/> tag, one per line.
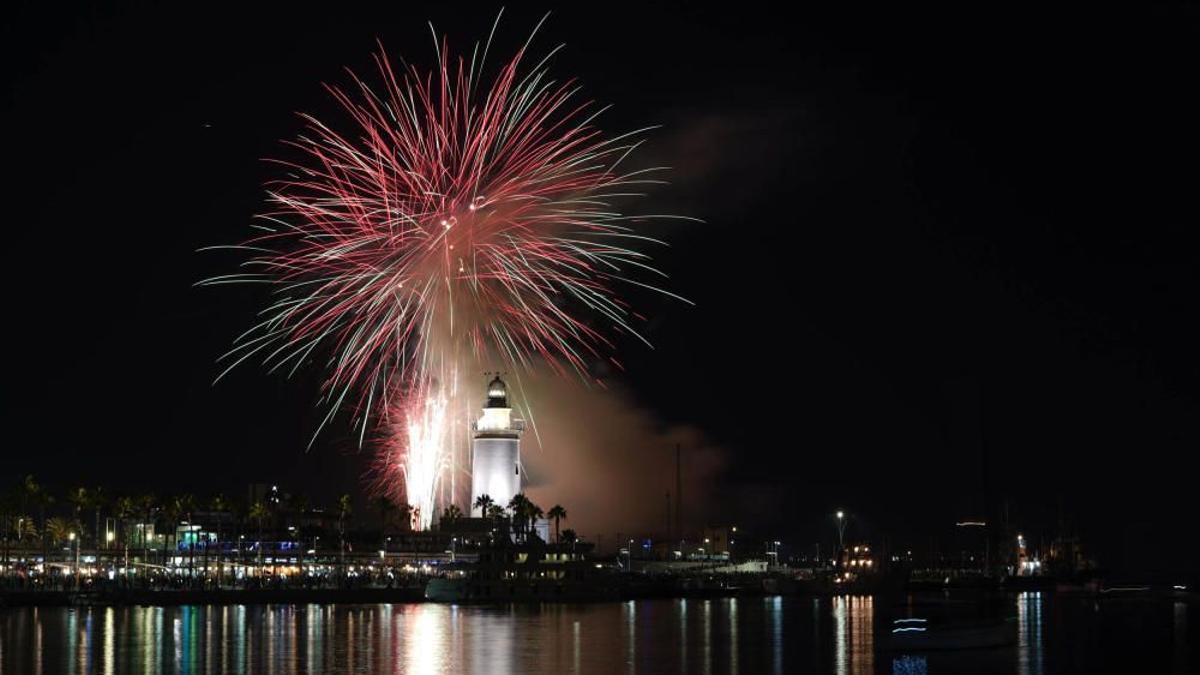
<point x="854" y="634"/>
<point x="629" y="610"/>
<point x="775" y="608"/>
<point x="706" y="637"/>
<point x="726" y="635"/>
<point x="910" y="664"/>
<point x="110" y="641"/>
<point x="1180" y="638"/>
<point x="746" y="635"/>
<point x="428" y="631"/>
<point x="38" y="647"/>
<point x="575" y="645"/>
<point x="1029" y="633"/>
<point x="733" y="635"/>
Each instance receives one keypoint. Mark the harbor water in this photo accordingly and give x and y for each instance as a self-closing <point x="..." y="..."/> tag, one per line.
<point x="719" y="635"/>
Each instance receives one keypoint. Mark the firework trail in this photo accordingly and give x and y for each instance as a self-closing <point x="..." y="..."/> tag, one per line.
<point x="447" y="219"/>
<point x="420" y="433"/>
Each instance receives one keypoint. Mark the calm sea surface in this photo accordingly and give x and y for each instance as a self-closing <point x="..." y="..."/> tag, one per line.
<point x="747" y="635"/>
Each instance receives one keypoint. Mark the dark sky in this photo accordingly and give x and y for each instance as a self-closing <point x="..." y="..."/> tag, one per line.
<point x="934" y="242"/>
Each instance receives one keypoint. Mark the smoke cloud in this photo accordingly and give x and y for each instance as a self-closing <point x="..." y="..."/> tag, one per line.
<point x="610" y="463"/>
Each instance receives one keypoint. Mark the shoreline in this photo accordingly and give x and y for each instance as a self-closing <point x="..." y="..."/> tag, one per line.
<point x="172" y="598"/>
<point x="415" y="594"/>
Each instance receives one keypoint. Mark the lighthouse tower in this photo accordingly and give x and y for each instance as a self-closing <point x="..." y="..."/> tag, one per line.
<point x="496" y="449"/>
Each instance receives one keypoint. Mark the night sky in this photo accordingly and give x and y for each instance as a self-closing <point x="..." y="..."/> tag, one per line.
<point x="945" y="254"/>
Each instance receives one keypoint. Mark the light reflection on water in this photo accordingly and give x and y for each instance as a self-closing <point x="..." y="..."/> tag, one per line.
<point x="1029" y="633"/>
<point x="854" y="634"/>
<point x="725" y="635"/>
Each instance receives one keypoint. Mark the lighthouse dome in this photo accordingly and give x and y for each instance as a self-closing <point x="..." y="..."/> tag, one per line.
<point x="497" y="394"/>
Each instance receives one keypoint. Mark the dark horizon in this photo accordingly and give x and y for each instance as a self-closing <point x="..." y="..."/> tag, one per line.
<point x="948" y="259"/>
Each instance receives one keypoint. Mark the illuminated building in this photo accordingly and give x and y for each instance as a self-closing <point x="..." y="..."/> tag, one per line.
<point x="856" y="561"/>
<point x="496" y="449"/>
<point x="719" y="539"/>
<point x="1027" y="563"/>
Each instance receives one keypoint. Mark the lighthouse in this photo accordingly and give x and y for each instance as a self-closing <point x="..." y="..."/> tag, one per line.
<point x="496" y="449"/>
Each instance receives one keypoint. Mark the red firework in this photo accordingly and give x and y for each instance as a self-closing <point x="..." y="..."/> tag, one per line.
<point x="446" y="219"/>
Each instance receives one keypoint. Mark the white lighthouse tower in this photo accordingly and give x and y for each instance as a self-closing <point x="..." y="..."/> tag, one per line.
<point x="496" y="449"/>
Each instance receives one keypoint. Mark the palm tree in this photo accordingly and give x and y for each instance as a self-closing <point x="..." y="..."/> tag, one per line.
<point x="145" y="506"/>
<point x="219" y="506"/>
<point x="484" y="503"/>
<point x="259" y="513"/>
<point x="240" y="512"/>
<point x="10" y="521"/>
<point x="29" y="494"/>
<point x="81" y="500"/>
<point x="525" y="512"/>
<point x="569" y="536"/>
<point x="33" y="495"/>
<point x="59" y="529"/>
<point x="126" y="507"/>
<point x="535" y="514"/>
<point x="8" y="508"/>
<point x="172" y="510"/>
<point x="24" y="527"/>
<point x="451" y="513"/>
<point x="495" y="512"/>
<point x="517" y="505"/>
<point x="557" y="512"/>
<point x="183" y="506"/>
<point x="98" y="501"/>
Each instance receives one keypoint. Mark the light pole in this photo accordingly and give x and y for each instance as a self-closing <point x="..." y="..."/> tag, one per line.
<point x="75" y="540"/>
<point x="773" y="550"/>
<point x="109" y="537"/>
<point x="841" y="525"/>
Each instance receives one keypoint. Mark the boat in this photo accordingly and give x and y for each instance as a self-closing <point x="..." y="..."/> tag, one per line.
<point x="917" y="634"/>
<point x="447" y="589"/>
<point x="530" y="572"/>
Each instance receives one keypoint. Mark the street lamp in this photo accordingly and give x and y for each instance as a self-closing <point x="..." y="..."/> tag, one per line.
<point x="773" y="550"/>
<point x="71" y="536"/>
<point x="841" y="525"/>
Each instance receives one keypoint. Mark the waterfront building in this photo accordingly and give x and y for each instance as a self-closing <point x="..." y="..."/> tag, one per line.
<point x="719" y="539"/>
<point x="856" y="560"/>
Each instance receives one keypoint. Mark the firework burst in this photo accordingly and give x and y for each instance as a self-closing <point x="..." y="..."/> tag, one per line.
<point x="418" y="438"/>
<point x="448" y="217"/>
